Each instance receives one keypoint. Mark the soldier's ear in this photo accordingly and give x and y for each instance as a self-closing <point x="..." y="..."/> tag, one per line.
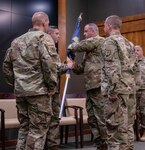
<point x="109" y="26"/>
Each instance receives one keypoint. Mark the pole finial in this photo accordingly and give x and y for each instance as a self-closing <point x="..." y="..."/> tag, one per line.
<point x="80" y="16"/>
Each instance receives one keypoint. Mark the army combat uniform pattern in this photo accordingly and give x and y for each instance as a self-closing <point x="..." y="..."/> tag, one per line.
<point x="91" y="68"/>
<point x="52" y="135"/>
<point x="30" y="67"/>
<point x="119" y="75"/>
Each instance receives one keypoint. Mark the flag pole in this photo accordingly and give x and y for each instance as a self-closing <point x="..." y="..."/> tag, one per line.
<point x="70" y="56"/>
<point x="63" y="98"/>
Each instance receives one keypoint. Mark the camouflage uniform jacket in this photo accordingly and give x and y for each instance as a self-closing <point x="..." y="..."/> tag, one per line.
<point x="141" y="63"/>
<point x="30" y="64"/>
<point x="120" y="72"/>
<point x="62" y="68"/>
<point x="91" y="65"/>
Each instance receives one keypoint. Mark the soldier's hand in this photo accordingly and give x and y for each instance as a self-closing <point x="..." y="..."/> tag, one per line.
<point x="112" y="98"/>
<point x="51" y="93"/>
<point x="72" y="46"/>
<point x="70" y="64"/>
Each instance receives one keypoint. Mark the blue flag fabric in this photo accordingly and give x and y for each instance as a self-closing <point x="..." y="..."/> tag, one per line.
<point x="75" y="38"/>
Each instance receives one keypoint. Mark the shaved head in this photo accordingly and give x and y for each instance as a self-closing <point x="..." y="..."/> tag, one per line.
<point x="93" y="26"/>
<point x="40" y="21"/>
<point x="91" y="30"/>
<point x="39" y="18"/>
<point x="114" y="21"/>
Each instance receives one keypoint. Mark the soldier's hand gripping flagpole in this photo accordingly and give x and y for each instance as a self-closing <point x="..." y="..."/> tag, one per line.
<point x="70" y="56"/>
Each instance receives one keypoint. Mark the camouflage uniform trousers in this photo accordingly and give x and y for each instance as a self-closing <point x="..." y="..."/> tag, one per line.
<point x="131" y="118"/>
<point x="52" y="135"/>
<point x="34" y="113"/>
<point x="96" y="118"/>
<point x="116" y="114"/>
<point x="141" y="104"/>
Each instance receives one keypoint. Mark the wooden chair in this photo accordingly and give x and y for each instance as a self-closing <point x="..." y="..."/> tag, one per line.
<point x="2" y="132"/>
<point x="83" y="115"/>
<point x="8" y="117"/>
<point x="79" y="102"/>
<point x="71" y="118"/>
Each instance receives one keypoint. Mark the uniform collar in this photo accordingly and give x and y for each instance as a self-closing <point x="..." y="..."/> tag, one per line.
<point x="115" y="33"/>
<point x="33" y="29"/>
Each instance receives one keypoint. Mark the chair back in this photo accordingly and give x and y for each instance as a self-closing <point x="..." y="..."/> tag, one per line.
<point x="9" y="105"/>
<point x="76" y="102"/>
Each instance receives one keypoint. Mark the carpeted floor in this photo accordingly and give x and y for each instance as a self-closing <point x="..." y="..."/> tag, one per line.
<point x="88" y="145"/>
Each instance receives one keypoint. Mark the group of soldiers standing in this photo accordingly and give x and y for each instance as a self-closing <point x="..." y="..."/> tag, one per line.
<point x="113" y="70"/>
<point x="113" y="73"/>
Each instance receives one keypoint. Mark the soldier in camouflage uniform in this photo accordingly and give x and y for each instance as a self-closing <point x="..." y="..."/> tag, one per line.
<point x="119" y="75"/>
<point x="30" y="67"/>
<point x="91" y="68"/>
<point x="52" y="134"/>
<point x="51" y="141"/>
<point x="140" y="95"/>
<point x="54" y="32"/>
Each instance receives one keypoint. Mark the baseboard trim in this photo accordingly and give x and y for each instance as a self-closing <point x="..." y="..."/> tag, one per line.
<point x="9" y="143"/>
<point x="12" y="143"/>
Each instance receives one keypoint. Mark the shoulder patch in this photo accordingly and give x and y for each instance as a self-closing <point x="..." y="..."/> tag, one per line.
<point x="107" y="52"/>
<point x="52" y="50"/>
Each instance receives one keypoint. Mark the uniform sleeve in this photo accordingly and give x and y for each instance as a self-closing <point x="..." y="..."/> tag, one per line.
<point x="110" y="69"/>
<point x="85" y="46"/>
<point x="48" y="60"/>
<point x="8" y="68"/>
<point x="62" y="67"/>
<point x="79" y="68"/>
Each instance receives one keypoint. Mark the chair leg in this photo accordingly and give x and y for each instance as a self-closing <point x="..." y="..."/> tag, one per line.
<point x="66" y="134"/>
<point x="61" y="134"/>
<point x="76" y="135"/>
<point x="92" y="137"/>
<point x="81" y="135"/>
<point x="3" y="130"/>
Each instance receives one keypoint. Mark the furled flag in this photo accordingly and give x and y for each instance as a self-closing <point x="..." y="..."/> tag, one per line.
<point x="70" y="56"/>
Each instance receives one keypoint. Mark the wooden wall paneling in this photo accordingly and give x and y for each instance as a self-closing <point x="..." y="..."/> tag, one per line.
<point x="133" y="28"/>
<point x="62" y="40"/>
